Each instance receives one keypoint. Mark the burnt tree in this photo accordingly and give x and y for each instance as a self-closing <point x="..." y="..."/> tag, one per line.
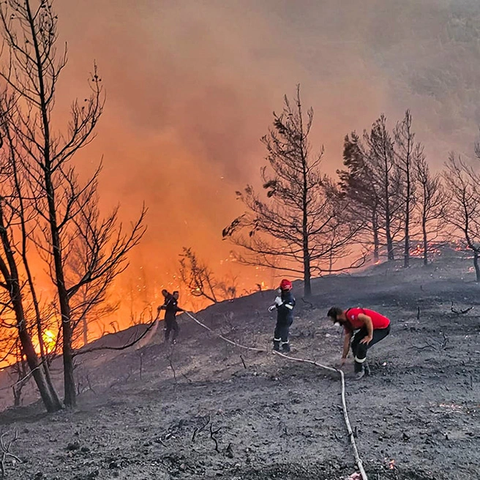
<point x="67" y="209"/>
<point x="407" y="155"/>
<point x="21" y="307"/>
<point x="197" y="276"/>
<point x="300" y="222"/>
<point x="386" y="176"/>
<point x="431" y="203"/>
<point x="463" y="184"/>
<point x="362" y="194"/>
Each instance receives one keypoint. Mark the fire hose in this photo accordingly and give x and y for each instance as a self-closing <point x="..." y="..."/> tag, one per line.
<point x="351" y="435"/>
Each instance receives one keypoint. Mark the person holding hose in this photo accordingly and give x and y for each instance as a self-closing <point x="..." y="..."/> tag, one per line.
<point x="171" y="309"/>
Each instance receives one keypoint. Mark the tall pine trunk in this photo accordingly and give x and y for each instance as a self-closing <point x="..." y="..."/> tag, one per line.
<point x="11" y="277"/>
<point x="376" y="239"/>
<point x="476" y="265"/>
<point x="67" y="327"/>
<point x="406" y="253"/>
<point x="425" y="240"/>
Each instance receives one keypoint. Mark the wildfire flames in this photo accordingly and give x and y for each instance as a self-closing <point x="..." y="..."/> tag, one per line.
<point x="432" y="249"/>
<point x="49" y="339"/>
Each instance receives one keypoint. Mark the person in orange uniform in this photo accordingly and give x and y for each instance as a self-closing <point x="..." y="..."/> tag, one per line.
<point x="367" y="328"/>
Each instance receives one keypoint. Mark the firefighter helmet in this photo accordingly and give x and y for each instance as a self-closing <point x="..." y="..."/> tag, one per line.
<point x="286" y="284"/>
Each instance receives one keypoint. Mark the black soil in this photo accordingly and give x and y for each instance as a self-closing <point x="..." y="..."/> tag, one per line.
<point x="207" y="409"/>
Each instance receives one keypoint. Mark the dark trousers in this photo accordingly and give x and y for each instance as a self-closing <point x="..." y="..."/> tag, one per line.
<point x="280" y="336"/>
<point x="171" y="324"/>
<point x="360" y="349"/>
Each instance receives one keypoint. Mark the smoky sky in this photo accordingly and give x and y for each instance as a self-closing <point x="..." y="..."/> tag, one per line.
<point x="191" y="86"/>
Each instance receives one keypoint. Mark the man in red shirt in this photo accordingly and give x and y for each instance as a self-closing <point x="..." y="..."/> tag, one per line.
<point x="369" y="326"/>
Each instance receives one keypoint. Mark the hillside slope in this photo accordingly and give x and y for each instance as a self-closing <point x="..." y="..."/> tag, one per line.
<point x="207" y="409"/>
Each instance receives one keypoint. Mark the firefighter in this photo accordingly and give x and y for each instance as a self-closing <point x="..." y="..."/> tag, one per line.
<point x="363" y="329"/>
<point x="171" y="309"/>
<point x="284" y="304"/>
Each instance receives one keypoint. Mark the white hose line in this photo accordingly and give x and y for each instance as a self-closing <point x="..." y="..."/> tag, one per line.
<point x="224" y="338"/>
<point x="358" y="460"/>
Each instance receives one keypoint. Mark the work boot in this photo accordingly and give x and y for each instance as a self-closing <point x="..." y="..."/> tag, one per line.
<point x="276" y="345"/>
<point x="285" y="347"/>
<point x="359" y="370"/>
<point x="359" y="375"/>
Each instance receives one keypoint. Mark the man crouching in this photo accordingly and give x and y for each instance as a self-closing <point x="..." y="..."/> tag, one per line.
<point x="369" y="326"/>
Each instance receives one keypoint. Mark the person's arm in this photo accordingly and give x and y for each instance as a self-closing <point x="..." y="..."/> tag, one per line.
<point x="287" y="305"/>
<point x="368" y="323"/>
<point x="346" y="347"/>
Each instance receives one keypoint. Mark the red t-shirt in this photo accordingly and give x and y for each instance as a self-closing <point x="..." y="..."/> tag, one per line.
<point x="378" y="320"/>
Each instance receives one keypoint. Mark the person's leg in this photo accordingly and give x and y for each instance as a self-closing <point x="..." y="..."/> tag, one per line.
<point x="168" y="328"/>
<point x="276" y="337"/>
<point x="176" y="330"/>
<point x="359" y="351"/>
<point x="379" y="335"/>
<point x="284" y="335"/>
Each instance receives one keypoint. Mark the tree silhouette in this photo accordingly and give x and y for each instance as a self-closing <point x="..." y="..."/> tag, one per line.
<point x="302" y="225"/>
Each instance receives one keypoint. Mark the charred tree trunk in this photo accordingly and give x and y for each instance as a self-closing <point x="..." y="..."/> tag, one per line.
<point x="390" y="251"/>
<point x="65" y="208"/>
<point x="425" y="241"/>
<point x="475" y="265"/>
<point x="70" y="399"/>
<point x="67" y="327"/>
<point x="307" y="289"/>
<point x="10" y="274"/>
<point x="406" y="253"/>
<point x="376" y="238"/>
<point x="26" y="263"/>
<point x="388" y="214"/>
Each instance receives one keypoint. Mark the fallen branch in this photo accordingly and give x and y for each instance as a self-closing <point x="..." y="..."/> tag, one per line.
<point x="198" y="430"/>
<point x="460" y="312"/>
<point x="212" y="436"/>
<point x="435" y="344"/>
<point x="243" y="361"/>
<point x="5" y="449"/>
<point x="423" y="347"/>
<point x="310" y="304"/>
<point x="23" y="379"/>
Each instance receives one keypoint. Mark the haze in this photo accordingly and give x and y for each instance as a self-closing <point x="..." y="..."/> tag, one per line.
<point x="191" y="86"/>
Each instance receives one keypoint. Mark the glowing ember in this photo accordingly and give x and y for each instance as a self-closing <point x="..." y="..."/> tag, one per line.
<point x="418" y="250"/>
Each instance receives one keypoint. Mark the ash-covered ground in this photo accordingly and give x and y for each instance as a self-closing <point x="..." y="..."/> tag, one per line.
<point x="207" y="409"/>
